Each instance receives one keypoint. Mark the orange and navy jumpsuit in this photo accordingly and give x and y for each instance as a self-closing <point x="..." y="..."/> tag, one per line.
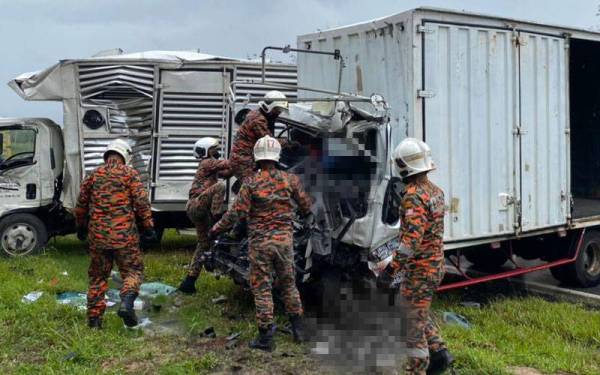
<point x="113" y="202"/>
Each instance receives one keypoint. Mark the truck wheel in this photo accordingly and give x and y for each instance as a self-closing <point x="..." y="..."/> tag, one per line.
<point x="486" y="259"/>
<point x="585" y="271"/>
<point x="22" y="234"/>
<point x="561" y="273"/>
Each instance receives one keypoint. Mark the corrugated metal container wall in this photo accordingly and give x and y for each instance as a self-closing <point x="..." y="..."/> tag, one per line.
<point x="543" y="109"/>
<point x="378" y="59"/>
<point x="490" y="100"/>
<point x="470" y="74"/>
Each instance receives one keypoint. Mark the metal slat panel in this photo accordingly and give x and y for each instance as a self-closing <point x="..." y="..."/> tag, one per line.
<point x="177" y="159"/>
<point x="287" y="75"/>
<point x="469" y="123"/>
<point x="93" y="150"/>
<point x="97" y="81"/>
<point x="192" y="112"/>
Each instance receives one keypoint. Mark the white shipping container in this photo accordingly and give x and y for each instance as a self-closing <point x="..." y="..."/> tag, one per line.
<point x="493" y="98"/>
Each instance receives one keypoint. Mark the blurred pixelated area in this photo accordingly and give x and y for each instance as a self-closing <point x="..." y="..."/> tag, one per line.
<point x="360" y="329"/>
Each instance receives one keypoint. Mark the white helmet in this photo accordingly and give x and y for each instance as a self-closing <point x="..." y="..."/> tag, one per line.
<point x="121" y="147"/>
<point x="268" y="105"/>
<point x="267" y="148"/>
<point x="202" y="146"/>
<point x="412" y="156"/>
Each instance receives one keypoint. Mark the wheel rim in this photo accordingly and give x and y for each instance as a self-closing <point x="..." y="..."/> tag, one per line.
<point x="19" y="239"/>
<point x="591" y="260"/>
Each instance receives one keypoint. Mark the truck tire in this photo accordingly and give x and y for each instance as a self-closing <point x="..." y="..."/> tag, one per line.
<point x="585" y="271"/>
<point x="561" y="273"/>
<point x="22" y="234"/>
<point x="486" y="259"/>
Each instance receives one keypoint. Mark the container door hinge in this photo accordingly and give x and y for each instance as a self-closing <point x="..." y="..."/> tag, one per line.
<point x="517" y="213"/>
<point x="424" y="29"/>
<point x="518" y="130"/>
<point x="425" y="94"/>
<point x="567" y="37"/>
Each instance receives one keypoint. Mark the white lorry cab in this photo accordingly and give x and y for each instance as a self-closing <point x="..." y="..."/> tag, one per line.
<point x="160" y="102"/>
<point x="31" y="183"/>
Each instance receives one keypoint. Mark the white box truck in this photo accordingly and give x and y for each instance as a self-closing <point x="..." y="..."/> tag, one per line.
<point x="511" y="111"/>
<point x="159" y="101"/>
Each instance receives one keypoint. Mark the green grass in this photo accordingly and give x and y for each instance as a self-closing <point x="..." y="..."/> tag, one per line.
<point x="45" y="337"/>
<point x="530" y="332"/>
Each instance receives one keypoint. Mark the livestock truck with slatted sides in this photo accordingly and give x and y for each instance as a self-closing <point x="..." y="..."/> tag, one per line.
<point x="159" y="101"/>
<point x="510" y="110"/>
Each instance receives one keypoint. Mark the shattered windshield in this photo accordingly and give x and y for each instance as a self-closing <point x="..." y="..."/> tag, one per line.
<point x="17" y="147"/>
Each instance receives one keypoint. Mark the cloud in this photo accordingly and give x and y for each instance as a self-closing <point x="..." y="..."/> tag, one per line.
<point x="35" y="35"/>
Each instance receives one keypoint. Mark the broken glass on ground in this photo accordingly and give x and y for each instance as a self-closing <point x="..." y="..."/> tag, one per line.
<point x="155" y="289"/>
<point x="31" y="297"/>
<point x="452" y="318"/>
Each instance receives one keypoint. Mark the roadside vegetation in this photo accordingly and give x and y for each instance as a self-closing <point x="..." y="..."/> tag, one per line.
<point x="46" y="337"/>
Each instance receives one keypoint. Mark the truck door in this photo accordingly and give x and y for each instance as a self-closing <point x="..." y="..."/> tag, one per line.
<point x="192" y="105"/>
<point x="469" y="96"/>
<point x="542" y="131"/>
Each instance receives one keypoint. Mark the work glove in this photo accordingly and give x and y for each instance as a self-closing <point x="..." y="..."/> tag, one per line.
<point x="309" y="221"/>
<point x="148" y="236"/>
<point x="240" y="230"/>
<point x="82" y="233"/>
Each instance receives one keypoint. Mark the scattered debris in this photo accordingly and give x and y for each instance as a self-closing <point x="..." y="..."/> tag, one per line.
<point x="231" y="344"/>
<point x="138" y="304"/>
<point x="475" y="305"/>
<point x="209" y="332"/>
<point x="155" y="289"/>
<point x="53" y="281"/>
<point x="286" y="354"/>
<point x="219" y="300"/>
<point x="233" y="336"/>
<point x="31" y="297"/>
<point x="75" y="299"/>
<point x="70" y="356"/>
<point x="79" y="299"/>
<point x="455" y="319"/>
<point x="145" y="322"/>
<point x="64" y="273"/>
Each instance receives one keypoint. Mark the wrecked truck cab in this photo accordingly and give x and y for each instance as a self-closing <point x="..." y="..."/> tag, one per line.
<point x="343" y="162"/>
<point x="31" y="180"/>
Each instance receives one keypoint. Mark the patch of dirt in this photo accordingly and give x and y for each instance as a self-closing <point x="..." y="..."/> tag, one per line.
<point x="529" y="371"/>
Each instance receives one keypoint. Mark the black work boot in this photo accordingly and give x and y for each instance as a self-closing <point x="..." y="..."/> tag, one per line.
<point x="439" y="361"/>
<point x="95" y="322"/>
<point x="297" y="328"/>
<point x="264" y="340"/>
<point x="188" y="285"/>
<point x="126" y="311"/>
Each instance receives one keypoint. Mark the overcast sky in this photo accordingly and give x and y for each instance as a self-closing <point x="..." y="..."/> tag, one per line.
<point x="36" y="34"/>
